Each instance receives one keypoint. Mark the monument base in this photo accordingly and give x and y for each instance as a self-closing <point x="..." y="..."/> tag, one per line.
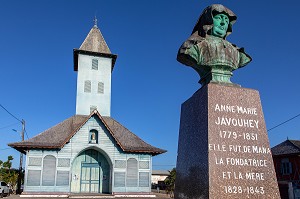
<point x="223" y="148"/>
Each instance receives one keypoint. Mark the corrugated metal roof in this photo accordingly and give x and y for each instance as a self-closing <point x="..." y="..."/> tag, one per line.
<point x="57" y="136"/>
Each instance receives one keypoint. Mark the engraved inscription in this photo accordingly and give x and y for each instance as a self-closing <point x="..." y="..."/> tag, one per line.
<point x="243" y="157"/>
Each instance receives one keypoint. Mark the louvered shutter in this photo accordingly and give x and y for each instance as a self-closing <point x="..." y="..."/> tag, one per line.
<point x="49" y="168"/>
<point x="33" y="177"/>
<point x="87" y="86"/>
<point x="132" y="173"/>
<point x="100" y="87"/>
<point x="144" y="179"/>
<point x="119" y="179"/>
<point x="94" y="64"/>
<point x="62" y="178"/>
<point x="92" y="108"/>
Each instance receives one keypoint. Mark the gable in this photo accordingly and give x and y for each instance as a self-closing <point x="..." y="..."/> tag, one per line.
<point x="56" y="137"/>
<point x="103" y="138"/>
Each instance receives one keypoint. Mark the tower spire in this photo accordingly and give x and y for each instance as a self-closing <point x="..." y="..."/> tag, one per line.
<point x="95" y="22"/>
<point x="94" y="63"/>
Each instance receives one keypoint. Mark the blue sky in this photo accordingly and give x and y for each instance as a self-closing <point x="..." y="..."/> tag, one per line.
<point x="38" y="84"/>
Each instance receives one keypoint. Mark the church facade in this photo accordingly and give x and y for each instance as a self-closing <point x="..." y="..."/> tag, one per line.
<point x="89" y="152"/>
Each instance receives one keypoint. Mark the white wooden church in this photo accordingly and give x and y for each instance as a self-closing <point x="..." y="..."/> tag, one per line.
<point x="89" y="152"/>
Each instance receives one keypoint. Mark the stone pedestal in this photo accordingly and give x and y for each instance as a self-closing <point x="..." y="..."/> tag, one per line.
<point x="223" y="149"/>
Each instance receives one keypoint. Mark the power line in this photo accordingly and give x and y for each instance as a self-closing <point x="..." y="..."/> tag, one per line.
<point x="21" y="155"/>
<point x="22" y="121"/>
<point x="10" y="113"/>
<point x="9" y="125"/>
<point x="283" y="122"/>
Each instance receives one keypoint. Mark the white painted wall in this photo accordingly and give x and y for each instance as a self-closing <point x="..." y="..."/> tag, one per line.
<point x="156" y="178"/>
<point x="85" y="72"/>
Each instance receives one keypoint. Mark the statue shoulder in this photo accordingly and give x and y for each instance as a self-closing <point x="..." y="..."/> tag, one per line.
<point x="192" y="40"/>
<point x="244" y="57"/>
<point x="186" y="53"/>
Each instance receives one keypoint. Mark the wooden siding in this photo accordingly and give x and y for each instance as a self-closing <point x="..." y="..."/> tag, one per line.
<point x="80" y="142"/>
<point x="42" y="154"/>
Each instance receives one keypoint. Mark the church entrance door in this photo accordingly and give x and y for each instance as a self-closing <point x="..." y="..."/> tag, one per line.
<point x="91" y="173"/>
<point x="90" y="178"/>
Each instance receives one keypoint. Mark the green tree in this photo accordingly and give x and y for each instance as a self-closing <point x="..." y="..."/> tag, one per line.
<point x="8" y="174"/>
<point x="7" y="164"/>
<point x="170" y="182"/>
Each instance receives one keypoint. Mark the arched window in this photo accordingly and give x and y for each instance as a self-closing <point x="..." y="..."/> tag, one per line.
<point x="87" y="86"/>
<point x="93" y="136"/>
<point x="49" y="169"/>
<point x="132" y="173"/>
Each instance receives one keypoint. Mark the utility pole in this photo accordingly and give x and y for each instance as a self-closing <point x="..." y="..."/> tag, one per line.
<point x="21" y="161"/>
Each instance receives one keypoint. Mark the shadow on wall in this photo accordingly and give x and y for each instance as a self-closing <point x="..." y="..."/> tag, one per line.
<point x="193" y="185"/>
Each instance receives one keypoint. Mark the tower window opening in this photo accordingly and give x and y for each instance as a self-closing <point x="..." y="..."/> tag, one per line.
<point x="95" y="64"/>
<point x="87" y="86"/>
<point x="100" y="87"/>
<point x="92" y="108"/>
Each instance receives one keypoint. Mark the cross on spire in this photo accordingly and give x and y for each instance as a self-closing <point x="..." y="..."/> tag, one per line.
<point x="95" y="22"/>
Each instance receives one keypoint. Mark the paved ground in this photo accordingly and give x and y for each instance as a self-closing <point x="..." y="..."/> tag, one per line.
<point x="158" y="196"/>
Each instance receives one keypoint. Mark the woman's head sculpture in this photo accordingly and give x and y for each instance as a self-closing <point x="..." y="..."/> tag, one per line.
<point x="207" y="50"/>
<point x="205" y="22"/>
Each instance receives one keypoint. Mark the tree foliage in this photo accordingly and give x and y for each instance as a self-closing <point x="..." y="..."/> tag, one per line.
<point x="170" y="182"/>
<point x="7" y="164"/>
<point x="7" y="174"/>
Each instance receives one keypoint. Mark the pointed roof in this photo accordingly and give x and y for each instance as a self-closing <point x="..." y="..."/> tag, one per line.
<point x="287" y="147"/>
<point x="57" y="136"/>
<point x="95" y="42"/>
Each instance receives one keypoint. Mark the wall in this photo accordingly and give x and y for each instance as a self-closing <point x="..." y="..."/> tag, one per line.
<point x="284" y="179"/>
<point x="295" y="164"/>
<point x="108" y="148"/>
<point x="103" y="74"/>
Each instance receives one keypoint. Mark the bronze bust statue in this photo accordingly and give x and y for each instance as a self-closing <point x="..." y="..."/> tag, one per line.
<point x="208" y="51"/>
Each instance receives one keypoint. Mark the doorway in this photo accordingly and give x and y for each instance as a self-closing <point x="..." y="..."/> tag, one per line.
<point x="90" y="178"/>
<point x="91" y="173"/>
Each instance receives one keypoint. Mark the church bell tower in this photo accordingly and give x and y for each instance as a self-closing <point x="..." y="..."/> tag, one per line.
<point x="94" y="63"/>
